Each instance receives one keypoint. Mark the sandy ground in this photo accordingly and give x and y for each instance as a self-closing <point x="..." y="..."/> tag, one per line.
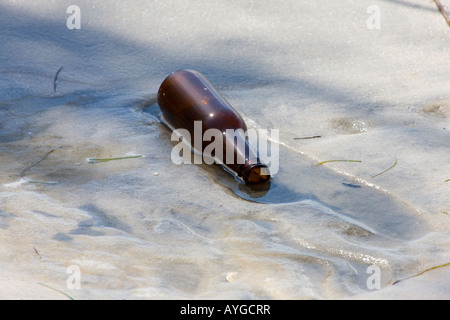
<point x="375" y="94"/>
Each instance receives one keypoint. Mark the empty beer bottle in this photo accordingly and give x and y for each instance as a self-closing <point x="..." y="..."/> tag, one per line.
<point x="189" y="101"/>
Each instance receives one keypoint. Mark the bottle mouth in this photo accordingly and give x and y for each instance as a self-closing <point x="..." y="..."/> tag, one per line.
<point x="255" y="173"/>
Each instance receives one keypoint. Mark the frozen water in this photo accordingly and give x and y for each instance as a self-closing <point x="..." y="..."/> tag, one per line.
<point x="146" y="228"/>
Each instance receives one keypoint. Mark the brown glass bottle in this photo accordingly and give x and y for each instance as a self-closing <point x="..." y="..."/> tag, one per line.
<point x="185" y="97"/>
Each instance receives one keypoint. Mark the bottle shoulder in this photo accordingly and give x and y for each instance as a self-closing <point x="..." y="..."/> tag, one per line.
<point x="186" y="96"/>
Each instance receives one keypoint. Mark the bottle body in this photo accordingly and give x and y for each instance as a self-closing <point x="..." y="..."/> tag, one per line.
<point x="189" y="101"/>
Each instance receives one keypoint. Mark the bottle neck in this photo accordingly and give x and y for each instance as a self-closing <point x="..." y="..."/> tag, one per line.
<point x="255" y="172"/>
<point x="244" y="159"/>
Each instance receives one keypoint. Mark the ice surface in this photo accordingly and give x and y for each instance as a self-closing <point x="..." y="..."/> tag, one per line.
<point x="146" y="228"/>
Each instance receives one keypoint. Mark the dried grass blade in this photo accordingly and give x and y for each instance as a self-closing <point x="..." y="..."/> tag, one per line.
<point x="395" y="163"/>
<point x="426" y="270"/>
<point x="95" y="160"/>
<point x="323" y="162"/>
